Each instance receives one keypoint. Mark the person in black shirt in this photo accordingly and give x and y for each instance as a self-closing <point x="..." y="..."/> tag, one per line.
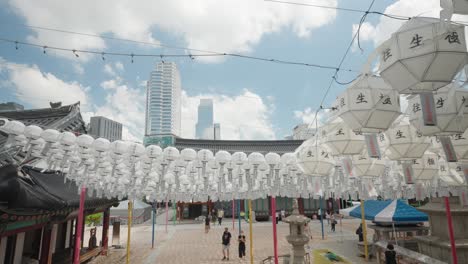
<point x="359" y="233"/>
<point x="241" y="240"/>
<point x="390" y="255"/>
<point x="207" y="224"/>
<point x="226" y="241"/>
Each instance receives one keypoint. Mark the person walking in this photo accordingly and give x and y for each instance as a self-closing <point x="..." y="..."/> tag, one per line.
<point x="226" y="242"/>
<point x="207" y="223"/>
<point x="359" y="233"/>
<point x="390" y="255"/>
<point x="241" y="240"/>
<point x="277" y="217"/>
<point x="333" y="222"/>
<point x="220" y="216"/>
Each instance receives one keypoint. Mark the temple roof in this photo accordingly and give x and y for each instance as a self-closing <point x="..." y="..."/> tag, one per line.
<point x="65" y="118"/>
<point x="247" y="146"/>
<point x="31" y="193"/>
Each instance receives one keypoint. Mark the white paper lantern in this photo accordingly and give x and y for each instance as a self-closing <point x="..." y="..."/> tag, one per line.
<point x="453" y="6"/>
<point x="451" y="173"/>
<point x="368" y="167"/>
<point x="313" y="159"/>
<point x="368" y="105"/>
<point x="341" y="140"/>
<point x="460" y="145"/>
<point x="188" y="154"/>
<point x="451" y="110"/>
<point x="423" y="55"/>
<point x="403" y="142"/>
<point x="171" y="154"/>
<point x="426" y="168"/>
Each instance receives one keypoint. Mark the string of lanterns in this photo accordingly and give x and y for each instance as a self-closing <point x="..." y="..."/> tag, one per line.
<point x="367" y="147"/>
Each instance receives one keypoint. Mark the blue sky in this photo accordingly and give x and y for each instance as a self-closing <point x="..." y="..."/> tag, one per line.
<point x="253" y="99"/>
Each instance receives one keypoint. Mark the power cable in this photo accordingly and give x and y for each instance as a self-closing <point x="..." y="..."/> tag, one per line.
<point x="339" y="66"/>
<point x="76" y="53"/>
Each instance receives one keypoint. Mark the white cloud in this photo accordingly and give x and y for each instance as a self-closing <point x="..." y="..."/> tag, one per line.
<point x="386" y="26"/>
<point x="109" y="70"/>
<point x="126" y="105"/>
<point x="119" y="66"/>
<point x="38" y="88"/>
<point x="220" y="25"/>
<point x="245" y="116"/>
<point x="78" y="68"/>
<point x="307" y="116"/>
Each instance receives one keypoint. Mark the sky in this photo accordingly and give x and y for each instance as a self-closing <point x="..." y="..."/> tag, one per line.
<point x="252" y="99"/>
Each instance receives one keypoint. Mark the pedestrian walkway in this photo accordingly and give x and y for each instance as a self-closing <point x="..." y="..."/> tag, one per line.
<point x="188" y="243"/>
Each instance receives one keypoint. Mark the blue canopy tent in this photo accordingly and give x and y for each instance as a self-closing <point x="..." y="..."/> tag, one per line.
<point x="390" y="211"/>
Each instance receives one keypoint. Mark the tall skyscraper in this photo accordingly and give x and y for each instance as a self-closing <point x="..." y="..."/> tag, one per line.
<point x="217" y="131"/>
<point x="163" y="106"/>
<point x="204" y="127"/>
<point x="105" y="128"/>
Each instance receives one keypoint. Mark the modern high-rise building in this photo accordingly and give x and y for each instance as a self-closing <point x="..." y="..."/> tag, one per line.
<point x="163" y="104"/>
<point x="204" y="127"/>
<point x="105" y="128"/>
<point x="217" y="131"/>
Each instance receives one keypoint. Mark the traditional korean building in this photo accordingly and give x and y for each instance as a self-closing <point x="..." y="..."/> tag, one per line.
<point x="38" y="210"/>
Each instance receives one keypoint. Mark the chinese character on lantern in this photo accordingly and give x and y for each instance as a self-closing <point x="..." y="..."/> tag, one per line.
<point x="458" y="137"/>
<point x="381" y="137"/>
<point x="399" y="134"/>
<point x="361" y="98"/>
<point x="387" y="54"/>
<point x="430" y="161"/>
<point x="416" y="107"/>
<point x="339" y="132"/>
<point x="440" y="102"/>
<point x="309" y="154"/>
<point x="416" y="41"/>
<point x="453" y="38"/>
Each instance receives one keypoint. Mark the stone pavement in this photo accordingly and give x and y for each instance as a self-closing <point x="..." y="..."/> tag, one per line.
<point x="188" y="243"/>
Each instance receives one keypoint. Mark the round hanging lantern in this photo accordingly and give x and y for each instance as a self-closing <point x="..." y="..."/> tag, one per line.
<point x="460" y="145"/>
<point x="341" y="140"/>
<point x="423" y="55"/>
<point x="313" y="159"/>
<point x="403" y="142"/>
<point x="368" y="167"/>
<point x="426" y="168"/>
<point x="450" y="173"/>
<point x="450" y="108"/>
<point x="368" y="105"/>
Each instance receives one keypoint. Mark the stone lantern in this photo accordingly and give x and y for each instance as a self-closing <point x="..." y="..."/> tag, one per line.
<point x="297" y="237"/>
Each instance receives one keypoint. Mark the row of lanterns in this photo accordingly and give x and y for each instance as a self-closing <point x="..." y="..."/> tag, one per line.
<point x="367" y="147"/>
<point x="338" y="167"/>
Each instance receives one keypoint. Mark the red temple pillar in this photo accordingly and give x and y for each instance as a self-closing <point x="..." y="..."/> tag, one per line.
<point x="300" y="202"/>
<point x="105" y="232"/>
<point x="45" y="257"/>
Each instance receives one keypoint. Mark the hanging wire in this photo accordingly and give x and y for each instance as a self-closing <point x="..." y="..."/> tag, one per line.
<point x="191" y="56"/>
<point x="338" y="68"/>
<point x="335" y="78"/>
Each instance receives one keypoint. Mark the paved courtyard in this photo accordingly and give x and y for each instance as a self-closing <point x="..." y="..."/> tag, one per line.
<point x="188" y="243"/>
